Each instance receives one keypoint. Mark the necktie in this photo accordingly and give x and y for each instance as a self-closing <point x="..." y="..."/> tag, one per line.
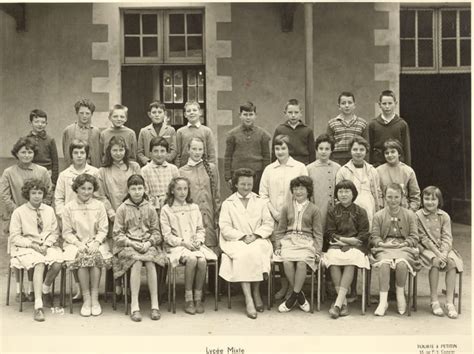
<point x="39" y="221"/>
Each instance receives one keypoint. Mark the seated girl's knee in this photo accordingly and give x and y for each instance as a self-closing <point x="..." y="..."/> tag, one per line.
<point x="436" y="262"/>
<point x="401" y="266"/>
<point x="301" y="264"/>
<point x="190" y="259"/>
<point x="202" y="262"/>
<point x="451" y="264"/>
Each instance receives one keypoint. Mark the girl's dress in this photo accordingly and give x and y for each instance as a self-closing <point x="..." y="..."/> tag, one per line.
<point x="300" y="234"/>
<point x="245" y="262"/>
<point x="435" y="229"/>
<point x="348" y="221"/>
<point x="367" y="183"/>
<point x="85" y="222"/>
<point x="183" y="223"/>
<point x="208" y="200"/>
<point x="30" y="225"/>
<point x="137" y="223"/>
<point x="397" y="228"/>
<point x="324" y="182"/>
<point x="404" y="176"/>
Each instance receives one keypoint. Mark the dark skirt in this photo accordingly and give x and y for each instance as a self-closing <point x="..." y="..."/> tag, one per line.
<point x="127" y="257"/>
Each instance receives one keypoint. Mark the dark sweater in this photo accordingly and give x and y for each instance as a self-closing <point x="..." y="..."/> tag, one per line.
<point x="47" y="155"/>
<point x="379" y="132"/>
<point x="248" y="148"/>
<point x="301" y="141"/>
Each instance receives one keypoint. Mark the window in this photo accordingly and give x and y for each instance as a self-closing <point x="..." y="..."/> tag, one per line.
<point x="163" y="36"/>
<point x="435" y="40"/>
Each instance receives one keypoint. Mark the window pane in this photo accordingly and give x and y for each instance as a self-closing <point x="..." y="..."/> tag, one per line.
<point x="150" y="46"/>
<point x="194" y="23"/>
<point x="200" y="78"/>
<point x="167" y="78"/>
<point x="407" y="24"/>
<point x="178" y="77"/>
<point x="465" y="26"/>
<point x="178" y="94"/>
<point x="167" y="94"/>
<point x="449" y="52"/>
<point x="150" y="24"/>
<point x="448" y="23"/>
<point x="177" y="48"/>
<point x="466" y="52"/>
<point x="191" y="93"/>
<point x="201" y="95"/>
<point x="425" y="53"/>
<point x="132" y="46"/>
<point x="169" y="115"/>
<point x="195" y="46"/>
<point x="131" y="23"/>
<point x="425" y="24"/>
<point x="407" y="52"/>
<point x="191" y="77"/>
<point x="176" y="23"/>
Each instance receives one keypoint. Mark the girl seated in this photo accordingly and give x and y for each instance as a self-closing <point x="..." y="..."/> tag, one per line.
<point x="34" y="235"/>
<point x="394" y="241"/>
<point x="85" y="228"/>
<point x="137" y="241"/>
<point x="246" y="225"/>
<point x="184" y="234"/>
<point x="346" y="237"/>
<point x="299" y="240"/>
<point x="436" y="247"/>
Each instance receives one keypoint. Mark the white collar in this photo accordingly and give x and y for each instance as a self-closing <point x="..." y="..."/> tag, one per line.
<point x="193" y="163"/>
<point x="197" y="125"/>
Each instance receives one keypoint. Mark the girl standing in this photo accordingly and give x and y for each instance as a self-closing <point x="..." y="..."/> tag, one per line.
<point x="394" y="240"/>
<point x="299" y="240"/>
<point x="34" y="234"/>
<point x="84" y="232"/>
<point x="395" y="171"/>
<point x="137" y="241"/>
<point x="184" y="234"/>
<point x="436" y="247"/>
<point x="346" y="236"/>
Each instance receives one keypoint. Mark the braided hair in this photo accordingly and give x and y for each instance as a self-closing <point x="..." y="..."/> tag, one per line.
<point x="207" y="167"/>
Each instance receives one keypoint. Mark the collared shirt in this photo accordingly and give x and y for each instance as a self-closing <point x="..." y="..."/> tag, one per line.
<point x="157" y="178"/>
<point x="197" y="125"/>
<point x="343" y="132"/>
<point x="295" y="125"/>
<point x="387" y="120"/>
<point x="47" y="154"/>
<point x="193" y="163"/>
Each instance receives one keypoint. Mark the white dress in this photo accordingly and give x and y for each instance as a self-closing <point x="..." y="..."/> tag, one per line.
<point x="245" y="262"/>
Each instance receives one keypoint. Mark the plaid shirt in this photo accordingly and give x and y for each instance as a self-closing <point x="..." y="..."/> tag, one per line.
<point x="343" y="132"/>
<point x="157" y="179"/>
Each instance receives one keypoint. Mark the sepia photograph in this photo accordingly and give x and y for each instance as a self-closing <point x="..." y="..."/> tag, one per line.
<point x="235" y="177"/>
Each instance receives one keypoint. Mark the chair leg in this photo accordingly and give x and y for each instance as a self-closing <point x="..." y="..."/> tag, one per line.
<point x="52" y="292"/>
<point x="272" y="283"/>
<point x="169" y="289"/>
<point x="8" y="284"/>
<point x="363" y="290"/>
<point x="460" y="292"/>
<point x="229" y="306"/>
<point x="216" y="286"/>
<point x="410" y="278"/>
<point x="174" y="289"/>
<point x="318" y="301"/>
<point x="63" y="287"/>
<point x="71" y="280"/>
<point x="312" y="292"/>
<point x="125" y="291"/>
<point x="114" y="295"/>
<point x="369" y="283"/>
<point x="21" y="289"/>
<point x="269" y="290"/>
<point x="415" y="292"/>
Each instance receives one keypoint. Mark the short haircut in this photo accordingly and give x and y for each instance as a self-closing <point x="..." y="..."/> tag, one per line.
<point x="30" y="184"/>
<point x="84" y="102"/>
<point x="361" y="141"/>
<point x="241" y="172"/>
<point x="38" y="113"/>
<point x="156" y="104"/>
<point x="116" y="140"/>
<point x="135" y="180"/>
<point x="191" y="103"/>
<point x="388" y="93"/>
<point x="170" y="194"/>
<point x="345" y="94"/>
<point x="159" y="141"/>
<point x="281" y="139"/>
<point x="248" y="107"/>
<point x="78" y="144"/>
<point x="83" y="178"/>
<point x="27" y="143"/>
<point x="434" y="192"/>
<point x="292" y="102"/>
<point x="393" y="144"/>
<point x="347" y="184"/>
<point x="118" y="106"/>
<point x="302" y="181"/>
<point x="324" y="138"/>
<point x="395" y="187"/>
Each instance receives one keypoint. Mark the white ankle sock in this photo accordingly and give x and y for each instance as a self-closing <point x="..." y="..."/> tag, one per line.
<point x="401" y="301"/>
<point x="341" y="296"/>
<point x="383" y="304"/>
<point x="38" y="303"/>
<point x="46" y="289"/>
<point x="29" y="287"/>
<point x="17" y="288"/>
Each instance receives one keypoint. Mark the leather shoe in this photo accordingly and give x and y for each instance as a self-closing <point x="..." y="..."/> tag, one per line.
<point x="259" y="308"/>
<point x="39" y="315"/>
<point x="96" y="310"/>
<point x="251" y="313"/>
<point x="29" y="297"/>
<point x="155" y="314"/>
<point x="86" y="310"/>
<point x="199" y="307"/>
<point x="283" y="307"/>
<point x="305" y="306"/>
<point x="344" y="310"/>
<point x="335" y="311"/>
<point x="136" y="316"/>
<point x="189" y="307"/>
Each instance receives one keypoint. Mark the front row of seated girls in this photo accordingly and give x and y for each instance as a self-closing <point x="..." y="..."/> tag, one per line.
<point x="399" y="240"/>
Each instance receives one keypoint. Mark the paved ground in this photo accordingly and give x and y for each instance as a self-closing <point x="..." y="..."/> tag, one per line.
<point x="233" y="322"/>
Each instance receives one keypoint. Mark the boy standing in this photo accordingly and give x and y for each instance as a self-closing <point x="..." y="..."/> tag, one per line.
<point x="47" y="154"/>
<point x="118" y="115"/>
<point x="194" y="129"/>
<point x="83" y="130"/>
<point x="158" y="127"/>
<point x="247" y="145"/>
<point x="301" y="136"/>
<point x="345" y="127"/>
<point x="388" y="125"/>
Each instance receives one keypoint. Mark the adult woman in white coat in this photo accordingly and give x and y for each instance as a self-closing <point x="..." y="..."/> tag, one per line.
<point x="246" y="224"/>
